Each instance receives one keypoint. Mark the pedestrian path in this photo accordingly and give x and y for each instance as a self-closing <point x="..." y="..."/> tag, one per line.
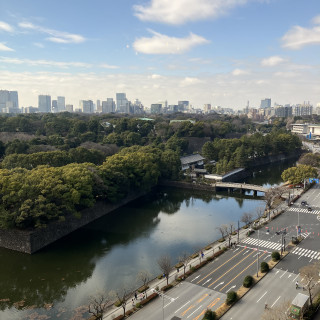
<point x="304" y="210"/>
<point x="305" y="235"/>
<point x="306" y="253"/>
<point x="262" y="243"/>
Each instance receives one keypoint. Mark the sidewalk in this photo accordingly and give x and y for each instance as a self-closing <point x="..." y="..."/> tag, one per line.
<point x="113" y="311"/>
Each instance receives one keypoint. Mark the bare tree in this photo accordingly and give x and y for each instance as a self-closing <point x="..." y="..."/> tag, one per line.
<point x="223" y="229"/>
<point x="310" y="278"/>
<point x="98" y="304"/>
<point x="280" y="312"/>
<point x="184" y="259"/>
<point x="121" y="295"/>
<point x="230" y="230"/>
<point x="144" y="277"/>
<point x="164" y="262"/>
<point x="246" y="218"/>
<point x="259" y="212"/>
<point x="268" y="199"/>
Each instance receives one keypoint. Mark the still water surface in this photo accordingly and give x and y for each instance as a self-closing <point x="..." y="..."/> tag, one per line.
<point x="56" y="282"/>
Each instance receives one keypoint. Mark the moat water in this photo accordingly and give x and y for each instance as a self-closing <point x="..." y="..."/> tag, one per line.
<point x="57" y="282"/>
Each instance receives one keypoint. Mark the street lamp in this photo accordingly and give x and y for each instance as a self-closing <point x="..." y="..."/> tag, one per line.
<point x="258" y="254"/>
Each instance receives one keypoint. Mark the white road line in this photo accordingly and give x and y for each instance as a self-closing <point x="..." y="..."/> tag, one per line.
<point x="275" y="302"/>
<point x="262" y="296"/>
<point x="207" y="281"/>
<point x="283" y="274"/>
<point x="218" y="285"/>
<point x="182" y="306"/>
<point x="195" y="278"/>
<point x="194" y="312"/>
<point x="295" y="278"/>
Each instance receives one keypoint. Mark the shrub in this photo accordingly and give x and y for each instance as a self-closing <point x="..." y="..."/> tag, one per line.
<point x="117" y="303"/>
<point x="160" y="276"/>
<point x="167" y="287"/>
<point x="208" y="247"/>
<point x="209" y="315"/>
<point x="264" y="267"/>
<point x="143" y="288"/>
<point x="147" y="300"/>
<point x="275" y="256"/>
<point x="231" y="297"/>
<point x="138" y="305"/>
<point x="222" y="240"/>
<point x="248" y="281"/>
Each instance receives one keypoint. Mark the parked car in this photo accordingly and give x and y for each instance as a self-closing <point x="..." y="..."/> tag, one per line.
<point x="304" y="203"/>
<point x="309" y="209"/>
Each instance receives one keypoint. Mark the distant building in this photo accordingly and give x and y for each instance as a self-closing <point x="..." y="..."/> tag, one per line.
<point x="8" y="99"/>
<point x="265" y="103"/>
<point x="207" y="108"/>
<point x="183" y="106"/>
<point x="86" y="106"/>
<point x="284" y="112"/>
<point x="108" y="106"/>
<point x="122" y="103"/>
<point x="194" y="160"/>
<point x="156" y="108"/>
<point x="30" y="110"/>
<point x="99" y="106"/>
<point x="61" y="103"/>
<point x="44" y="103"/>
<point x="69" y="107"/>
<point x="54" y="106"/>
<point x="304" y="109"/>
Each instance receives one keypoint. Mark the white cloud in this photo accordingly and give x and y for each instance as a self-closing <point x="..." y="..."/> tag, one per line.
<point x="107" y="66"/>
<point x="272" y="61"/>
<point x="38" y="44"/>
<point x="298" y="37"/>
<point x="3" y="47"/>
<point x="46" y="63"/>
<point x="55" y="36"/>
<point x="5" y="27"/>
<point x="239" y="72"/>
<point x="181" y="11"/>
<point x="156" y="76"/>
<point x="162" y="44"/>
<point x="189" y="81"/>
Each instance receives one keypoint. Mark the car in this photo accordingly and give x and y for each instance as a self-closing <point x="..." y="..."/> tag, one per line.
<point x="304" y="203"/>
<point x="309" y="209"/>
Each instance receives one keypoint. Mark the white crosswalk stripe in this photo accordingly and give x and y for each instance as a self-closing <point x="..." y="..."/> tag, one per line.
<point x="262" y="243"/>
<point x="306" y="253"/>
<point x="305" y="234"/>
<point x="304" y="210"/>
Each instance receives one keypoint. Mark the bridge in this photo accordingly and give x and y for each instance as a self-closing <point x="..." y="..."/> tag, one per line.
<point x="231" y="186"/>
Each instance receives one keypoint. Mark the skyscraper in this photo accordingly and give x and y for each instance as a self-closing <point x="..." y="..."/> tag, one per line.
<point x="86" y="106"/>
<point x="61" y="102"/>
<point x="265" y="103"/>
<point x="44" y="103"/>
<point x="122" y="103"/>
<point x="9" y="99"/>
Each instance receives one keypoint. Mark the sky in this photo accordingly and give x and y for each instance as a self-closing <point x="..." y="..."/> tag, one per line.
<point x="222" y="52"/>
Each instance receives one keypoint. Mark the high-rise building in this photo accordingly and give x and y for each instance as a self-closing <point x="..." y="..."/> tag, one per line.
<point x="207" y="108"/>
<point x="156" y="108"/>
<point x="54" y="107"/>
<point x="99" y="106"/>
<point x="183" y="105"/>
<point x="9" y="99"/>
<point x="69" y="107"/>
<point x="304" y="109"/>
<point x="265" y="103"/>
<point x="122" y="103"/>
<point x="61" y="104"/>
<point x="108" y="106"/>
<point x="44" y="103"/>
<point x="86" y="106"/>
<point x="283" y="111"/>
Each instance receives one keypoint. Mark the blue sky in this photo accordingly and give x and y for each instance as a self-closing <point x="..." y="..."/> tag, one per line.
<point x="223" y="52"/>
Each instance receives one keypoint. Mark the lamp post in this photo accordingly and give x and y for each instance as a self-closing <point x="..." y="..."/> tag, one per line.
<point x="298" y="220"/>
<point x="258" y="255"/>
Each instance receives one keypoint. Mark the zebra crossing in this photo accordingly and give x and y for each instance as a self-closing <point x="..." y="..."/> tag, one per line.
<point x="304" y="210"/>
<point x="307" y="253"/>
<point x="262" y="243"/>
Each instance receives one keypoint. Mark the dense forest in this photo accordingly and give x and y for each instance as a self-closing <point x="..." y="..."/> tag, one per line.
<point x="54" y="165"/>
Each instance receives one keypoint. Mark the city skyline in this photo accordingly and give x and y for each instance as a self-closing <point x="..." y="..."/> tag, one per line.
<point x="204" y="51"/>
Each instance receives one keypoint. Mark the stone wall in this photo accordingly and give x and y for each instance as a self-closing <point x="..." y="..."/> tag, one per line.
<point x="32" y="241"/>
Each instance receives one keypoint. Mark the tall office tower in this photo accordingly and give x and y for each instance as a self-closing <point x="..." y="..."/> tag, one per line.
<point x="122" y="103"/>
<point x="13" y="97"/>
<point x="156" y="108"/>
<point x="86" y="106"/>
<point x="44" y="103"/>
<point x="54" y="107"/>
<point x="265" y="103"/>
<point x="61" y="104"/>
<point x="99" y="106"/>
<point x="183" y="105"/>
<point x="9" y="99"/>
<point x="69" y="107"/>
<point x="207" y="108"/>
<point x="108" y="106"/>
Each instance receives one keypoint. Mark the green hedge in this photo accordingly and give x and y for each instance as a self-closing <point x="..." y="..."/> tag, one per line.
<point x="248" y="281"/>
<point x="231" y="297"/>
<point x="264" y="267"/>
<point x="275" y="256"/>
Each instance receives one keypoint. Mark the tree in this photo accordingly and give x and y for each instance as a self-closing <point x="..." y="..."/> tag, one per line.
<point x="230" y="229"/>
<point x="98" y="304"/>
<point x="184" y="259"/>
<point x="298" y="174"/>
<point x="279" y="312"/>
<point x="223" y="229"/>
<point x="121" y="295"/>
<point x="268" y="199"/>
<point x="144" y="276"/>
<point x="209" y="315"/>
<point x="246" y="218"/>
<point x="164" y="262"/>
<point x="310" y="275"/>
<point x="259" y="212"/>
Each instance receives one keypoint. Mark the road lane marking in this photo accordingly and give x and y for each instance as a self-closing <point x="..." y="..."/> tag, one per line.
<point x="204" y="296"/>
<point x="240" y="273"/>
<point x="213" y="303"/>
<point x="219" y="267"/>
<point x="218" y="285"/>
<point x="295" y="278"/>
<point x="262" y="296"/>
<point x="193" y="312"/>
<point x="275" y="301"/>
<point x="231" y="269"/>
<point x="283" y="274"/>
<point x="182" y="306"/>
<point x="230" y="288"/>
<point x="207" y="281"/>
<point x="195" y="278"/>
<point x="184" y="312"/>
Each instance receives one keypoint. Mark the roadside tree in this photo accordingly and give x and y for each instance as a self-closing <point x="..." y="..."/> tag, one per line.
<point x="164" y="262"/>
<point x="310" y="276"/>
<point x="279" y="312"/>
<point x="144" y="277"/>
<point x="246" y="218"/>
<point x="98" y="304"/>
